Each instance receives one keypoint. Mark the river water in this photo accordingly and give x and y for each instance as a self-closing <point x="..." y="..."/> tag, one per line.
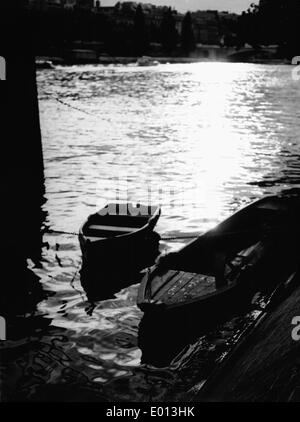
<point x="201" y="140"/>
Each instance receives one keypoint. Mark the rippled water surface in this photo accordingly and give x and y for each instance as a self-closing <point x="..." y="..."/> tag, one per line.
<point x="200" y="139"/>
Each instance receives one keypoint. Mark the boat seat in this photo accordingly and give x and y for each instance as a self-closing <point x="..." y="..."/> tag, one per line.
<point x="113" y="228"/>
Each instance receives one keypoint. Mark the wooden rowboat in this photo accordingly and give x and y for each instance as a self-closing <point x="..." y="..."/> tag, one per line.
<point x="117" y="243"/>
<point x="224" y="268"/>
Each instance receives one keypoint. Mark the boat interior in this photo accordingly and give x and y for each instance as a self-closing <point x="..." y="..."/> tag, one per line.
<point x="264" y="222"/>
<point x="116" y="222"/>
<point x="177" y="286"/>
<point x="215" y="261"/>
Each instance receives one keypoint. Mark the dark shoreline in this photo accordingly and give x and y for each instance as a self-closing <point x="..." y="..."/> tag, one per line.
<point x="266" y="354"/>
<point x="123" y="60"/>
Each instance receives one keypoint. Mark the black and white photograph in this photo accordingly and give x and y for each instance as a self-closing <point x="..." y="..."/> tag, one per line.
<point x="151" y="204"/>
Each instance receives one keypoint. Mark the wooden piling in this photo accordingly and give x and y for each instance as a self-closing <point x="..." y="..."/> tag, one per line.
<point x="22" y="158"/>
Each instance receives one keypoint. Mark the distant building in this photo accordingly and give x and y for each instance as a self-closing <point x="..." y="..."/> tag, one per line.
<point x="85" y="4"/>
<point x="60" y="4"/>
<point x="46" y="4"/>
<point x="206" y="27"/>
<point x="123" y="13"/>
<point x="70" y="4"/>
<point x="154" y="16"/>
<point x="107" y="11"/>
<point x="228" y="18"/>
<point x="227" y="24"/>
<point x="210" y="26"/>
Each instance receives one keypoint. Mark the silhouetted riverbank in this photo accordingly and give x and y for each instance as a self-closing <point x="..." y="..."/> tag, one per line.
<point x="132" y="60"/>
<point x="265" y="365"/>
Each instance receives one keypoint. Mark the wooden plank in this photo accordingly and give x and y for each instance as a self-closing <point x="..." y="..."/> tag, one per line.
<point x="160" y="280"/>
<point x="199" y="286"/>
<point x="184" y="278"/>
<point x="113" y="228"/>
<point x="173" y="282"/>
<point x="205" y="287"/>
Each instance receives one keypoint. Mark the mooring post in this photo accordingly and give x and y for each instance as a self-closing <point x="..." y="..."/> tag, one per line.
<point x="22" y="159"/>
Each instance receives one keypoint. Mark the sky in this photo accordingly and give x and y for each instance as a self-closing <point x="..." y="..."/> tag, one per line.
<point x="183" y="5"/>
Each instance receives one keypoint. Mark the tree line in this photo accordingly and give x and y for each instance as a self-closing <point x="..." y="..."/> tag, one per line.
<point x="131" y="34"/>
<point x="57" y="30"/>
<point x="272" y="22"/>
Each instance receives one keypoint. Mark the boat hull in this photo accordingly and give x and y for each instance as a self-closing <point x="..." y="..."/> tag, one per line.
<point x="110" y="266"/>
<point x="173" y="328"/>
<point x="272" y="222"/>
<point x="112" y="263"/>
